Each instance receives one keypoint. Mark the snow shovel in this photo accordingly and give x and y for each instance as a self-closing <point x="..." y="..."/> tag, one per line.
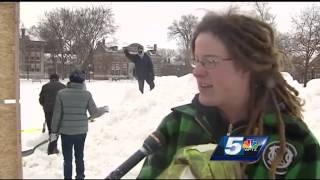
<point x="31" y="151"/>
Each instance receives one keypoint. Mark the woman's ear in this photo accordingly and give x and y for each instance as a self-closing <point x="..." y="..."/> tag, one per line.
<point x="245" y="73"/>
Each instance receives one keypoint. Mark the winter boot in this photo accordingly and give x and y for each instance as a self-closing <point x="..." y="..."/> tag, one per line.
<point x="52" y="148"/>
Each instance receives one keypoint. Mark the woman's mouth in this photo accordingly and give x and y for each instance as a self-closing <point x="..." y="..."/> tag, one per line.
<point x="205" y="86"/>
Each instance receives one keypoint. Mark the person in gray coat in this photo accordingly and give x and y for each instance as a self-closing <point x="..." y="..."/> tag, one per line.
<point x="70" y="120"/>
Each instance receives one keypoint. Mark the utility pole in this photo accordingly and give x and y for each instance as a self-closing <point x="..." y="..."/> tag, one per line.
<point x="10" y="136"/>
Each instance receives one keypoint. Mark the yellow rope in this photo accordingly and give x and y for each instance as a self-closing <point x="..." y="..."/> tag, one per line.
<point x="30" y="130"/>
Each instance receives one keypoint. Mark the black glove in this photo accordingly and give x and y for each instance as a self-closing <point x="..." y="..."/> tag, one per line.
<point x="52" y="146"/>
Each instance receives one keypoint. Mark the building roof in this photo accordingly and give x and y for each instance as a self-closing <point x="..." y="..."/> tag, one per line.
<point x="315" y="61"/>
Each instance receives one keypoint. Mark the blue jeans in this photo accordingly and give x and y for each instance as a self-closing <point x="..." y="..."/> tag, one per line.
<point x="68" y="142"/>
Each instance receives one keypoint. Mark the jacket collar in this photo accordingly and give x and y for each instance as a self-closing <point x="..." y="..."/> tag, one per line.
<point x="213" y="116"/>
<point x="75" y="85"/>
<point x="213" y="112"/>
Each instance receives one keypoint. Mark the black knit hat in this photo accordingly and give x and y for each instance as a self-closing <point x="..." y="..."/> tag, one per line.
<point x="77" y="76"/>
<point x="54" y="76"/>
<point x="140" y="47"/>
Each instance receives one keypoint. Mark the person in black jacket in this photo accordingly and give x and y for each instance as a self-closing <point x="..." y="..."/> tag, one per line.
<point x="143" y="67"/>
<point x="47" y="99"/>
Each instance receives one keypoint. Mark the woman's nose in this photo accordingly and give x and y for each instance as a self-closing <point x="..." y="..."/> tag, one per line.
<point x="199" y="70"/>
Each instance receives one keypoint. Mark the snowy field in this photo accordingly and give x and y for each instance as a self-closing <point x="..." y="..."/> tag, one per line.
<point x="115" y="136"/>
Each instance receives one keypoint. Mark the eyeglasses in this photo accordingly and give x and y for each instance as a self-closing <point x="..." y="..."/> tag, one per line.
<point x="208" y="62"/>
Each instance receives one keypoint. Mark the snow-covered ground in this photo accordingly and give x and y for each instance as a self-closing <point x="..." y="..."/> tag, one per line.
<point x="115" y="136"/>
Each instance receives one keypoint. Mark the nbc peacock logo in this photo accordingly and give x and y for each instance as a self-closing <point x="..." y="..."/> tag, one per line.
<point x="250" y="145"/>
<point x="243" y="148"/>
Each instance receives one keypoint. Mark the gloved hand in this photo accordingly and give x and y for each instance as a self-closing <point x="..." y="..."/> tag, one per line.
<point x="91" y="119"/>
<point x="100" y="111"/>
<point x="52" y="146"/>
<point x="105" y="108"/>
<point x="53" y="137"/>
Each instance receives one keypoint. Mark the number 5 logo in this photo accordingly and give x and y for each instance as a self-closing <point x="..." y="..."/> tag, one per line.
<point x="233" y="145"/>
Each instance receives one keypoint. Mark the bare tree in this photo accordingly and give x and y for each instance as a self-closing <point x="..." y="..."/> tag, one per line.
<point x="54" y="29"/>
<point x="233" y="8"/>
<point x="284" y="44"/>
<point x="262" y="12"/>
<point x="75" y="32"/>
<point x="168" y="54"/>
<point x="306" y="42"/>
<point x="90" y="26"/>
<point x="182" y="30"/>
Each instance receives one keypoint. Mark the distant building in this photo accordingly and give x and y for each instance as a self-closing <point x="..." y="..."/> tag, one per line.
<point x="111" y="63"/>
<point x="157" y="60"/>
<point x="175" y="70"/>
<point x="106" y="62"/>
<point x="31" y="59"/>
<point x="314" y="71"/>
<point x="296" y="68"/>
<point x="54" y="65"/>
<point x="36" y="62"/>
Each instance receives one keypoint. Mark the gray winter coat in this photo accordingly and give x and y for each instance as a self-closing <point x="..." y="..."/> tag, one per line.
<point x="70" y="110"/>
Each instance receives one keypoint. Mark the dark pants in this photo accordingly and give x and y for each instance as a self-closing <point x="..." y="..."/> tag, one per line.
<point x="48" y="116"/>
<point x="141" y="84"/>
<point x="53" y="145"/>
<point x="68" y="142"/>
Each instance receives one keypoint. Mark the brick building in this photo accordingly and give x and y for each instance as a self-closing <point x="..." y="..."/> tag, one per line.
<point x="36" y="62"/>
<point x="315" y="68"/>
<point x="111" y="63"/>
<point x="31" y="57"/>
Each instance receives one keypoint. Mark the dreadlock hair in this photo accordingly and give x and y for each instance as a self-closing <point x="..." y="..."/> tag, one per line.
<point x="251" y="43"/>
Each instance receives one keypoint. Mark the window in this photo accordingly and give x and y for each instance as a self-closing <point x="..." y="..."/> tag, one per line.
<point x="32" y="67"/>
<point x="37" y="67"/>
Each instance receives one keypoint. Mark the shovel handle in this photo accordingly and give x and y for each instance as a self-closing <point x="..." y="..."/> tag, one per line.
<point x="44" y="127"/>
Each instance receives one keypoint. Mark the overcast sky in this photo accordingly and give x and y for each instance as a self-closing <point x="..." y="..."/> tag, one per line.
<point x="147" y="22"/>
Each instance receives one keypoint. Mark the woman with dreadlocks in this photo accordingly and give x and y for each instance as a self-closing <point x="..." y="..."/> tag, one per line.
<point x="241" y="92"/>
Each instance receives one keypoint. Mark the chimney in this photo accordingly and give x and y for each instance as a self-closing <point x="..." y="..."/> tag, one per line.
<point x="23" y="33"/>
<point x="155" y="48"/>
